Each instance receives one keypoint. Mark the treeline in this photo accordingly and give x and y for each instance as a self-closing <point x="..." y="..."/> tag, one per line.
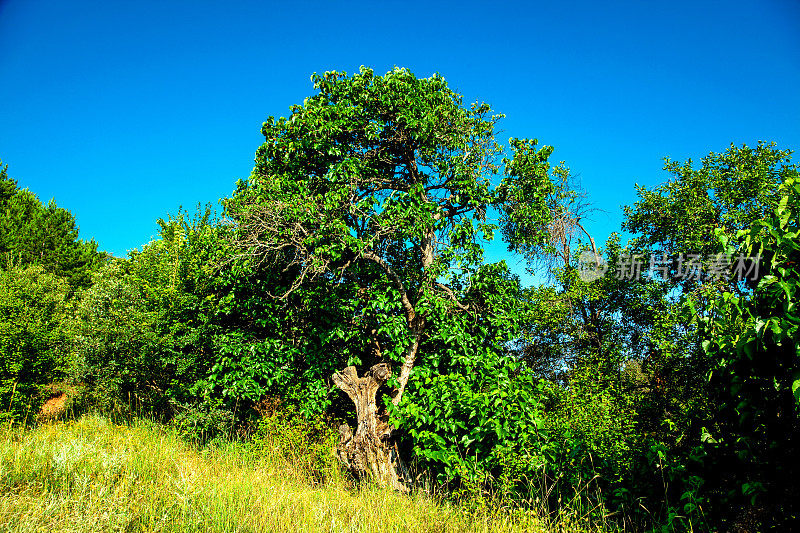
<point x="43" y="264"/>
<point x="649" y="381"/>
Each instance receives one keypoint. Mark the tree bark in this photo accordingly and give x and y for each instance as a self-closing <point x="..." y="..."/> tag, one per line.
<point x="370" y="452"/>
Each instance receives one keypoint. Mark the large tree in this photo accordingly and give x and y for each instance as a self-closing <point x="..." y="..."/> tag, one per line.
<point x="385" y="182"/>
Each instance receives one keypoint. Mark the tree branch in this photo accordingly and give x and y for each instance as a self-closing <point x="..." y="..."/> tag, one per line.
<point x="407" y="305"/>
<point x="594" y="248"/>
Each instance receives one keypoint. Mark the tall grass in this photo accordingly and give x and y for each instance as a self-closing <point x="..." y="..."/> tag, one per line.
<point x="94" y="475"/>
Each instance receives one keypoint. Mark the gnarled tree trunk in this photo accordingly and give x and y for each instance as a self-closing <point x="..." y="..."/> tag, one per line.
<point x="371" y="451"/>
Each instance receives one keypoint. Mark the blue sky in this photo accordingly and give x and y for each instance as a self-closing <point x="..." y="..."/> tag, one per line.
<point x="122" y="111"/>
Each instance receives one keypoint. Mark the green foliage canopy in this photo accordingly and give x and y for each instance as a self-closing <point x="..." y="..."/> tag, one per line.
<point x="384" y="182"/>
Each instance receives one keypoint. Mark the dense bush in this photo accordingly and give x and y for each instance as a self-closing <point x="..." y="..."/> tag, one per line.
<point x="144" y="340"/>
<point x="35" y="337"/>
<point x="753" y="344"/>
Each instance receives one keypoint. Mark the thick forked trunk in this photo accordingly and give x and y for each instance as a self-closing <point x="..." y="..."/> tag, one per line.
<point x="370" y="451"/>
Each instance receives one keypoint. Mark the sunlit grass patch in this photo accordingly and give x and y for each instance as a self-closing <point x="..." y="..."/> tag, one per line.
<point x="93" y="475"/>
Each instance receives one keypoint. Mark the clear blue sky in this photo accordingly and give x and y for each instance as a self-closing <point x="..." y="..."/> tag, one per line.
<point x="122" y="111"/>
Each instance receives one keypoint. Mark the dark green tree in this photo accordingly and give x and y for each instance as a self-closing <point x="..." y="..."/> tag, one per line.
<point x="35" y="234"/>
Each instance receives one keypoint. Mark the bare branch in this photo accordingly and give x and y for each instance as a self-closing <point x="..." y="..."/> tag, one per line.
<point x="594" y="248"/>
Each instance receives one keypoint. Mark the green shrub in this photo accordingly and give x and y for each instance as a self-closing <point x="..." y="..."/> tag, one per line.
<point x="205" y="420"/>
<point x="34" y="337"/>
<point x="307" y="444"/>
<point x="753" y="343"/>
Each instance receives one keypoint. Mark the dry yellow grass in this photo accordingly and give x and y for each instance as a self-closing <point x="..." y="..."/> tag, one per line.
<point x="92" y="475"/>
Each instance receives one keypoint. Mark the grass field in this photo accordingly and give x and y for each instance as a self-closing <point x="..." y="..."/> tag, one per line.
<point x="93" y="475"/>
